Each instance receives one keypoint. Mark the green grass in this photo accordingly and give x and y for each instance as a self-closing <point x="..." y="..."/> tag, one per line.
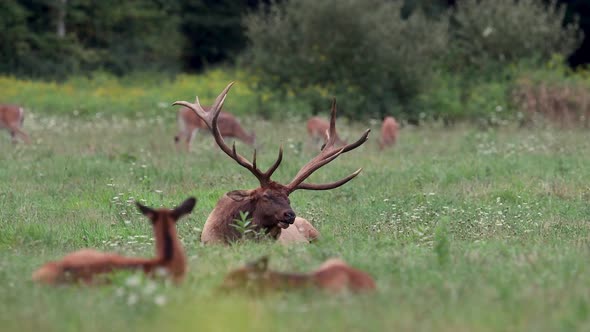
<point x="103" y="95"/>
<point x="463" y="230"/>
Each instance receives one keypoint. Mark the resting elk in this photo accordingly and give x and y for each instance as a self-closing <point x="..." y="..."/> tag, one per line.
<point x="189" y="124"/>
<point x="334" y="276"/>
<point x="389" y="130"/>
<point x="87" y="265"/>
<point x="268" y="206"/>
<point x="11" y="118"/>
<point x="318" y="130"/>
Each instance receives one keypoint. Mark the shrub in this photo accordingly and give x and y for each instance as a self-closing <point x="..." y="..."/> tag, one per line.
<point x="363" y="52"/>
<point x="554" y="93"/>
<point x="496" y="32"/>
<point x="453" y="98"/>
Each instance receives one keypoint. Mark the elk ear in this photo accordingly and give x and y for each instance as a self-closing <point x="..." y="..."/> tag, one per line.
<point x="261" y="264"/>
<point x="185" y="208"/>
<point x="238" y="195"/>
<point x="146" y="211"/>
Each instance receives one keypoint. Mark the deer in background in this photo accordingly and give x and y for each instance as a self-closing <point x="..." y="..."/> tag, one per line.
<point x="318" y="130"/>
<point x="87" y="264"/>
<point x="334" y="276"/>
<point x="189" y="124"/>
<point x="11" y="118"/>
<point x="389" y="130"/>
<point x="268" y="206"/>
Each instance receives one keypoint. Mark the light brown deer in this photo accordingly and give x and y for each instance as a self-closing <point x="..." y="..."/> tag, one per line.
<point x="11" y="118"/>
<point x="268" y="206"/>
<point x="333" y="276"/>
<point x="87" y="264"/>
<point x="318" y="130"/>
<point x="189" y="124"/>
<point x="389" y="131"/>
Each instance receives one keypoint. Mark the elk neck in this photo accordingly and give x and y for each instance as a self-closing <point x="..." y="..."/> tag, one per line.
<point x="168" y="247"/>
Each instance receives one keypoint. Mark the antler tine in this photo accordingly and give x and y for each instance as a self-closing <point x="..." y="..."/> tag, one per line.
<point x="274" y="167"/>
<point x="327" y="154"/>
<point x="332" y="131"/>
<point x="328" y="186"/>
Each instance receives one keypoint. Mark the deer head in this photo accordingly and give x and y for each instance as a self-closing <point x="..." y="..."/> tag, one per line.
<point x="164" y="225"/>
<point x="269" y="204"/>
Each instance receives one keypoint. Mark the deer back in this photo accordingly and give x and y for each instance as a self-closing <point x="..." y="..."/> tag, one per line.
<point x="335" y="275"/>
<point x="11" y="115"/>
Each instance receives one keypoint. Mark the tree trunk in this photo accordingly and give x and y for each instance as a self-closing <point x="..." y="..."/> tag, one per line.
<point x="61" y="18"/>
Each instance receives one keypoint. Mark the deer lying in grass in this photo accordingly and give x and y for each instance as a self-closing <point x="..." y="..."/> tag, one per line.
<point x="268" y="206"/>
<point x="85" y="265"/>
<point x="389" y="130"/>
<point x="334" y="276"/>
<point x="11" y="118"/>
<point x="318" y="129"/>
<point x="189" y="124"/>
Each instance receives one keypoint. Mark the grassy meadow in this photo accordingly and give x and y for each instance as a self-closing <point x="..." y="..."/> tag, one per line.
<point x="463" y="229"/>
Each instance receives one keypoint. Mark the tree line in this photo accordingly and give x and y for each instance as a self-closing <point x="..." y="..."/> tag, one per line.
<point x="57" y="38"/>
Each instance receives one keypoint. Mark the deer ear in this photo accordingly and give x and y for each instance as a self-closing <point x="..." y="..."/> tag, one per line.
<point x="238" y="195"/>
<point x="146" y="211"/>
<point x="185" y="208"/>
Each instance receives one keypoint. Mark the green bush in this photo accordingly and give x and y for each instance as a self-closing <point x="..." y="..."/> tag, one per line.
<point x="497" y="32"/>
<point x="363" y="52"/>
<point x="453" y="98"/>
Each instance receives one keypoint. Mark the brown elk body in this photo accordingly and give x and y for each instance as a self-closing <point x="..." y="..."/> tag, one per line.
<point x="189" y="124"/>
<point x="268" y="206"/>
<point x="11" y="118"/>
<point x="318" y="129"/>
<point x="87" y="264"/>
<point x="334" y="276"/>
<point x="389" y="131"/>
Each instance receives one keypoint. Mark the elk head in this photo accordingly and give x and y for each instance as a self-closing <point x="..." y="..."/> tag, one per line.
<point x="268" y="205"/>
<point x="164" y="225"/>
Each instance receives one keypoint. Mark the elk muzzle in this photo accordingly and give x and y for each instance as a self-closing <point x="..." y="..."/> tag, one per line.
<point x="287" y="219"/>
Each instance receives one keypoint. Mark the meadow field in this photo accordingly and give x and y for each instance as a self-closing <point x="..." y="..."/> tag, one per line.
<point x="463" y="229"/>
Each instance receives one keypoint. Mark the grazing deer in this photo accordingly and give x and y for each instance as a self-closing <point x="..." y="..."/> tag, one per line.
<point x="86" y="264"/>
<point x="189" y="124"/>
<point x="389" y="130"/>
<point x="268" y="206"/>
<point x="11" y="118"/>
<point x="334" y="276"/>
<point x="318" y="130"/>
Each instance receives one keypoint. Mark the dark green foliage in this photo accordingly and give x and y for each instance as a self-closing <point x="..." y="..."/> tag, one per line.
<point x="120" y="37"/>
<point x="364" y="52"/>
<point x="496" y="32"/>
<point x="213" y="30"/>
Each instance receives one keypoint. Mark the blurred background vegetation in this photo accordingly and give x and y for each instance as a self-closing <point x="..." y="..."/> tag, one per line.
<point x="487" y="61"/>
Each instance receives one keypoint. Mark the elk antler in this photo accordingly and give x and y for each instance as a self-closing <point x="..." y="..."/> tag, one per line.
<point x="327" y="154"/>
<point x="210" y="119"/>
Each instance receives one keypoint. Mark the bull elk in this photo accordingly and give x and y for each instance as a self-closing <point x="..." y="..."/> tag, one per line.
<point x="268" y="206"/>
<point x="318" y="130"/>
<point x="11" y="118"/>
<point x="87" y="264"/>
<point x="334" y="276"/>
<point x="189" y="124"/>
<point x="389" y="130"/>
